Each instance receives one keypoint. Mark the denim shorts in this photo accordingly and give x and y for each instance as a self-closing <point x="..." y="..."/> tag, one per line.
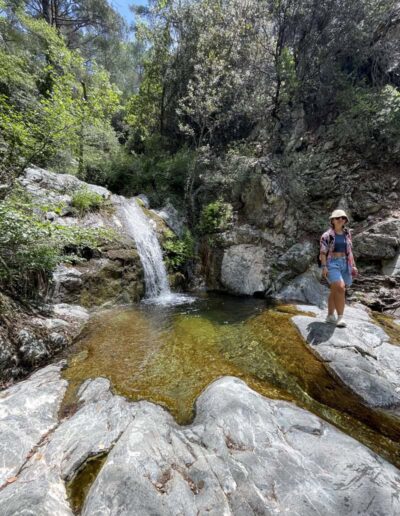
<point x="338" y="269"/>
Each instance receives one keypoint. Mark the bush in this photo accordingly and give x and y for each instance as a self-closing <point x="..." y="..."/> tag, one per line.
<point x="27" y="255"/>
<point x="178" y="251"/>
<point x="370" y="120"/>
<point x="215" y="217"/>
<point x="85" y="200"/>
<point x="157" y="172"/>
<point x="30" y="248"/>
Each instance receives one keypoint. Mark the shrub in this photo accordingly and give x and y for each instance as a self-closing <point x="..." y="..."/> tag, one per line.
<point x="156" y="172"/>
<point x="215" y="217"/>
<point x="370" y="120"/>
<point x="178" y="251"/>
<point x="85" y="200"/>
<point x="30" y="248"/>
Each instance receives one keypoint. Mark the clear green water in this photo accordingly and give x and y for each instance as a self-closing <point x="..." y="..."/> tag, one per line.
<point x="168" y="355"/>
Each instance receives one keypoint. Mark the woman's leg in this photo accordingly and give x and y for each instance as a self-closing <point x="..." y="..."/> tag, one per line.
<point x="338" y="289"/>
<point x="331" y="301"/>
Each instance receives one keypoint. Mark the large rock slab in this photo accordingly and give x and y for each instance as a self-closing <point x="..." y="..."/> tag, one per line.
<point x="244" y="454"/>
<point x="28" y="411"/>
<point x="360" y="355"/>
<point x="40" y="488"/>
<point x="51" y="187"/>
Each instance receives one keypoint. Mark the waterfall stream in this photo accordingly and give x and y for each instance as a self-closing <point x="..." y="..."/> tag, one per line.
<point x="139" y="227"/>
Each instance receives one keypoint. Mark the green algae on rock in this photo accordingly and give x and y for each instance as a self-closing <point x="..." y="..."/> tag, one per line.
<point x="388" y="324"/>
<point x="78" y="487"/>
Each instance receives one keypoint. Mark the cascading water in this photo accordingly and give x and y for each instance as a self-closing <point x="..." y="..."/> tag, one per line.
<point x="140" y="229"/>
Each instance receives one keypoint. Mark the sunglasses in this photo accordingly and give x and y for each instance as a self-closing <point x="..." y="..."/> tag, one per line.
<point x="340" y="218"/>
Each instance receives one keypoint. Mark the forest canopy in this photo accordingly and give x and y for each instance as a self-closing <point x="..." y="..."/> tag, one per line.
<point x="194" y="82"/>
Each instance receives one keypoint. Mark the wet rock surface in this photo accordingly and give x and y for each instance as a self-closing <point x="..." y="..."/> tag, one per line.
<point x="108" y="273"/>
<point x="360" y="355"/>
<point x="30" y="339"/>
<point x="243" y="454"/>
<point x="28" y="411"/>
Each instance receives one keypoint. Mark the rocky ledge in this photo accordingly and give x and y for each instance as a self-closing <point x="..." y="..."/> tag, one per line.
<point x="29" y="339"/>
<point x="243" y="454"/>
<point x="359" y="355"/>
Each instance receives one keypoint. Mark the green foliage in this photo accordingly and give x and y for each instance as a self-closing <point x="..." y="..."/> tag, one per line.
<point x="85" y="200"/>
<point x="157" y="172"/>
<point x="215" y="217"/>
<point x="370" y="120"/>
<point x="50" y="103"/>
<point x="178" y="251"/>
<point x="27" y="255"/>
<point x="30" y="247"/>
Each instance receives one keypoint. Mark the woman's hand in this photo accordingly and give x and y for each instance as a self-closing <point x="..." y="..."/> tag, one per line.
<point x="354" y="271"/>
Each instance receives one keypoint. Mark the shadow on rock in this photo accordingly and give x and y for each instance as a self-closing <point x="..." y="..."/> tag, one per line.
<point x="319" y="332"/>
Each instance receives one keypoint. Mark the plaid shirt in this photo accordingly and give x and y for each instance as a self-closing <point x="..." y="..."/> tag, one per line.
<point x="328" y="247"/>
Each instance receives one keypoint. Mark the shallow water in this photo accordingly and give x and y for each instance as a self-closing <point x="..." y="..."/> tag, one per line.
<point x="169" y="354"/>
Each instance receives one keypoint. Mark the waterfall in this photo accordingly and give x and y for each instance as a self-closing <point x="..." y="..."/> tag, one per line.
<point x="139" y="227"/>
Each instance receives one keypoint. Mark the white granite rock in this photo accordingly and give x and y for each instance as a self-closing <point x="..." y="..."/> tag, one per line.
<point x="243" y="454"/>
<point x="28" y="410"/>
<point x="244" y="269"/>
<point x="360" y="355"/>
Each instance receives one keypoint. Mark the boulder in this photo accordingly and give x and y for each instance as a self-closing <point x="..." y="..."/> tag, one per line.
<point x="379" y="241"/>
<point x="297" y="258"/>
<point x="375" y="246"/>
<point x="28" y="340"/>
<point x="305" y="288"/>
<point x="389" y="226"/>
<point x="116" y="278"/>
<point x="172" y="217"/>
<point x="244" y="269"/>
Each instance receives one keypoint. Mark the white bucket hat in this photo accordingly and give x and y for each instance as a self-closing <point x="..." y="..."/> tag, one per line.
<point x="338" y="213"/>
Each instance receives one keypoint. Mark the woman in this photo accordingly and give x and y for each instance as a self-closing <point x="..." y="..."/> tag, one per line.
<point x="338" y="265"/>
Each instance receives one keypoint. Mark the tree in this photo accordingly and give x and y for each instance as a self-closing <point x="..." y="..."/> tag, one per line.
<point x="50" y="100"/>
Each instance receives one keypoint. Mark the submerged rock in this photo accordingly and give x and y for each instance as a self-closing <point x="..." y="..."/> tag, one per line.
<point x="243" y="454"/>
<point x="360" y="355"/>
